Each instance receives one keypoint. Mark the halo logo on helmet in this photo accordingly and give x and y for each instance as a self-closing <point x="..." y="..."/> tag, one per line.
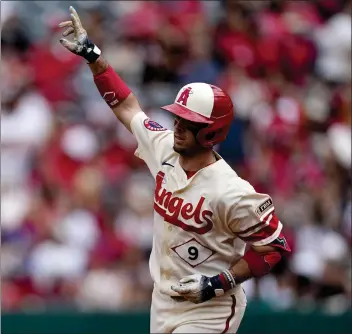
<point x="184" y="96"/>
<point x="204" y="103"/>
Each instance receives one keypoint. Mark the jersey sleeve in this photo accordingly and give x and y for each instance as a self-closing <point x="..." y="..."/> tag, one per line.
<point x="155" y="143"/>
<point x="253" y="219"/>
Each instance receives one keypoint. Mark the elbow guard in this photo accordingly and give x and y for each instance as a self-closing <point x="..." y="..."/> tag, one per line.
<point x="261" y="264"/>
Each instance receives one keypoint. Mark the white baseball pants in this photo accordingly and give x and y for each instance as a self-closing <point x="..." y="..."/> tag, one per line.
<point x="219" y="315"/>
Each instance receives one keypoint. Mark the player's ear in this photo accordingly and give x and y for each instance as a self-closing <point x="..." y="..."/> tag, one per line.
<point x="210" y="136"/>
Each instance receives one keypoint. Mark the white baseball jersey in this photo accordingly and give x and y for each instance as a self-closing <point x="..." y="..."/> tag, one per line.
<point x="201" y="224"/>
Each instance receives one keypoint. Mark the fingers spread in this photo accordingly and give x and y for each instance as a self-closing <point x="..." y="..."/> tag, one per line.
<point x="68" y="44"/>
<point x="68" y="31"/>
<point x="73" y="11"/>
<point x="65" y="24"/>
<point x="75" y="18"/>
<point x="74" y="22"/>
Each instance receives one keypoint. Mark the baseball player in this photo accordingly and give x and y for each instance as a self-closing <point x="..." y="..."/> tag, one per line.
<point x="205" y="214"/>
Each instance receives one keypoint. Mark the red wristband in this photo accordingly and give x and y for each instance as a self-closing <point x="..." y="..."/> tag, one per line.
<point x="111" y="87"/>
<point x="260" y="264"/>
<point x="226" y="280"/>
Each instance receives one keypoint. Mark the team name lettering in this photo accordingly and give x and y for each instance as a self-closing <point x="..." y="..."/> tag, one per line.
<point x="172" y="208"/>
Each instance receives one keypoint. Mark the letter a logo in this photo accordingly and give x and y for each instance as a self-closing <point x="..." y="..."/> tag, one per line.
<point x="184" y="96"/>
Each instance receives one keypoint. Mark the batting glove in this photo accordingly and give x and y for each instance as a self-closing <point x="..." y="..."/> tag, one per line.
<point x="80" y="45"/>
<point x="199" y="288"/>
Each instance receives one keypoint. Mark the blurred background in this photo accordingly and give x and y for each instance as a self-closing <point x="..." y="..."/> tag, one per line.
<point x="77" y="206"/>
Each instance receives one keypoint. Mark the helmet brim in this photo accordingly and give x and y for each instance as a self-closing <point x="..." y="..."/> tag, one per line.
<point x="186" y="113"/>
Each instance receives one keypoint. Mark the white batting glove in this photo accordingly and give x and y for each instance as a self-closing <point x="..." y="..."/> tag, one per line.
<point x="199" y="288"/>
<point x="80" y="45"/>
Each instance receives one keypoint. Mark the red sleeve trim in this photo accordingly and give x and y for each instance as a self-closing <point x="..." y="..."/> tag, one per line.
<point x="266" y="228"/>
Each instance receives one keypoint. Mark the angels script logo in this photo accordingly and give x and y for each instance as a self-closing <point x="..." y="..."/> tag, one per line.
<point x="172" y="208"/>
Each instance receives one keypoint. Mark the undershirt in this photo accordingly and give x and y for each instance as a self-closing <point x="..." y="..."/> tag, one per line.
<point x="191" y="173"/>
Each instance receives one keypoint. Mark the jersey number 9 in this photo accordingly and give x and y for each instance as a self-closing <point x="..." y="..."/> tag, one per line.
<point x="193" y="253"/>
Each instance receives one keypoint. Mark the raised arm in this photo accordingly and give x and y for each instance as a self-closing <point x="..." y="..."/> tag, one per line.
<point x="111" y="87"/>
<point x="108" y="84"/>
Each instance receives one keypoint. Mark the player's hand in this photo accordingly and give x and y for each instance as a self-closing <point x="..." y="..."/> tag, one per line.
<point x="196" y="288"/>
<point x="80" y="45"/>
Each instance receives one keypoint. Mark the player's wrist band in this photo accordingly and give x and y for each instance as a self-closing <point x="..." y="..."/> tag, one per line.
<point x="91" y="52"/>
<point x="222" y="283"/>
<point x="230" y="278"/>
<point x="111" y="87"/>
<point x="227" y="280"/>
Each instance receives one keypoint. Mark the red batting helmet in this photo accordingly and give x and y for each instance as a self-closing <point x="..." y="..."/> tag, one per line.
<point x="203" y="103"/>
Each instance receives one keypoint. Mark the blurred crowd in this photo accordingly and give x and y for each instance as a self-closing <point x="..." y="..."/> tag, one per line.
<point x="77" y="205"/>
